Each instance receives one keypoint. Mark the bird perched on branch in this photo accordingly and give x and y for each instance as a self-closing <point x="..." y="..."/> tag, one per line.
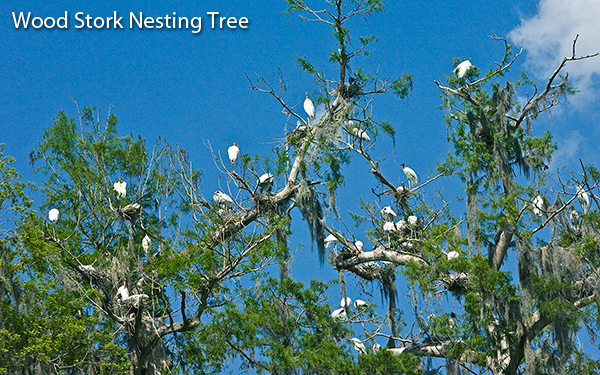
<point x="309" y="107"/>
<point x="462" y="68"/>
<point x="583" y="197"/>
<point x="53" y="215"/>
<point x="265" y="182"/>
<point x="388" y="213"/>
<point x="146" y="243"/>
<point x="538" y="205"/>
<point x="233" y="152"/>
<point x="360" y="134"/>
<point x="223" y="199"/>
<point x="120" y="187"/>
<point x="410" y="174"/>
<point x="331" y="239"/>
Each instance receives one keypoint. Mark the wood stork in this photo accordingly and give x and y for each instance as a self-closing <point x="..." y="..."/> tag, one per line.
<point x="452" y="255"/>
<point x="339" y="314"/>
<point x="359" y="245"/>
<point x="410" y="174"/>
<point x="53" y="215"/>
<point x="358" y="345"/>
<point x="360" y="134"/>
<point x="388" y="213"/>
<point x="400" y="225"/>
<point x="265" y="182"/>
<point x="120" y="187"/>
<point x="462" y="68"/>
<point x="123" y="292"/>
<point x="345" y="302"/>
<point x="331" y="239"/>
<point x="86" y="268"/>
<point x="412" y="220"/>
<point x="146" y="243"/>
<point x="233" y="152"/>
<point x="359" y="304"/>
<point x="376" y="347"/>
<point x="389" y="226"/>
<point x="538" y="205"/>
<point x="309" y="107"/>
<point x="223" y="199"/>
<point x="583" y="197"/>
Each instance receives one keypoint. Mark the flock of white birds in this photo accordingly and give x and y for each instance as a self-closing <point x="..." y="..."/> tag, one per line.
<point x="265" y="182"/>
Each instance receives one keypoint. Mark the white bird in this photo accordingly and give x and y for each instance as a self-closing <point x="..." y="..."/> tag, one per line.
<point x="574" y="217"/>
<point x="583" y="197"/>
<point x="331" y="239"/>
<point x="223" y="199"/>
<point x="400" y="225"/>
<point x="123" y="292"/>
<point x="339" y="313"/>
<point x="358" y="345"/>
<point x="121" y="188"/>
<point x="410" y="174"/>
<point x="376" y="347"/>
<point x="453" y="255"/>
<point x="389" y="226"/>
<point x="265" y="182"/>
<point x="359" y="303"/>
<point x="361" y="134"/>
<point x="359" y="245"/>
<point x="346" y="301"/>
<point x="462" y="68"/>
<point x="146" y="243"/>
<point x="388" y="213"/>
<point x="309" y="107"/>
<point x="85" y="268"/>
<point x="233" y="152"/>
<point x="538" y="205"/>
<point x="412" y="220"/>
<point x="135" y="299"/>
<point x="53" y="215"/>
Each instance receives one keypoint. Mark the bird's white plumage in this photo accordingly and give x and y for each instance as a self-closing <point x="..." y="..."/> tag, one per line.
<point x="388" y="213"/>
<point x="452" y="255"/>
<point x="410" y="174"/>
<point x="146" y="243"/>
<point x="53" y="215"/>
<point x="462" y="68"/>
<point x="389" y="226"/>
<point x="233" y="152"/>
<point x="309" y="107"/>
<point x="339" y="313"/>
<point x="359" y="303"/>
<point x="412" y="220"/>
<point x="123" y="292"/>
<point x="121" y="188"/>
<point x="265" y="181"/>
<point x="400" y="225"/>
<point x="345" y="301"/>
<point x="358" y="345"/>
<point x="574" y="217"/>
<point x="583" y="197"/>
<point x="538" y="205"/>
<point x="359" y="245"/>
<point x="86" y="268"/>
<point x="376" y="347"/>
<point x="361" y="134"/>
<point x="331" y="239"/>
<point x="223" y="199"/>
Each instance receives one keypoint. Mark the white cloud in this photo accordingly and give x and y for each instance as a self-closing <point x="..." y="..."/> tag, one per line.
<point x="548" y="36"/>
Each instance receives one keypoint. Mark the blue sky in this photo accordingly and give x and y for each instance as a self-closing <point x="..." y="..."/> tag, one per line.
<point x="190" y="88"/>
